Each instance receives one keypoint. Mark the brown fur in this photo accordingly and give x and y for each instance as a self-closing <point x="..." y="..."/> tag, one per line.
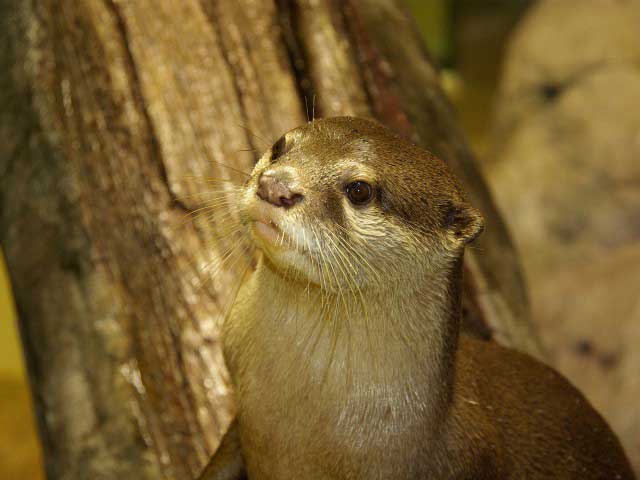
<point x="344" y="344"/>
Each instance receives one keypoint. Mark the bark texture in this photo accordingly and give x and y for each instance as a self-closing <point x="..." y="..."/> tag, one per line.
<point x="110" y="109"/>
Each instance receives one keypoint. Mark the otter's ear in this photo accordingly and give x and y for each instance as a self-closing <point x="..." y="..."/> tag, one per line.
<point x="463" y="222"/>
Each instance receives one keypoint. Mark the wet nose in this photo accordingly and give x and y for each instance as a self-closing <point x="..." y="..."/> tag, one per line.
<point x="276" y="190"/>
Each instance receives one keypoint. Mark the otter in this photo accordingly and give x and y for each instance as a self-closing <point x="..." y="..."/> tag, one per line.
<point x="344" y="343"/>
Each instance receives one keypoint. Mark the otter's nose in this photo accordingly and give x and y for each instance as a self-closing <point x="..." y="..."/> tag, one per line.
<point x="274" y="187"/>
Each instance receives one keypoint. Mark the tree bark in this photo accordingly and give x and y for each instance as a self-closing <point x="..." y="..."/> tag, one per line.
<point x="110" y="108"/>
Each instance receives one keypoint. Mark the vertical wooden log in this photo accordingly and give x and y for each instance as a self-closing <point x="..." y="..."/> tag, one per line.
<point x="110" y="108"/>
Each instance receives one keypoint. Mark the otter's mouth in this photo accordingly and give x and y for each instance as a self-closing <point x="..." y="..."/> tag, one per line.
<point x="266" y="222"/>
<point x="273" y="228"/>
<point x="275" y="237"/>
<point x="267" y="230"/>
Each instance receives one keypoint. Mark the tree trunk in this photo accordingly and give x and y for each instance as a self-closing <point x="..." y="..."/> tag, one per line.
<point x="110" y="108"/>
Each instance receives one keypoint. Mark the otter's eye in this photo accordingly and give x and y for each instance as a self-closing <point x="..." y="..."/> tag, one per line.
<point x="279" y="148"/>
<point x="359" y="193"/>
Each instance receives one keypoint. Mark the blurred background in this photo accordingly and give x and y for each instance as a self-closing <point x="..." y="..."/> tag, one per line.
<point x="549" y="97"/>
<point x="19" y="449"/>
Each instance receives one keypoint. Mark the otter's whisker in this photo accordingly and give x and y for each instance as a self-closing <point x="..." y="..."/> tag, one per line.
<point x="322" y="322"/>
<point x="345" y="259"/>
<point x="198" y="212"/>
<point x="213" y="268"/>
<point x="212" y="204"/>
<point x="355" y="251"/>
<point x="313" y="108"/>
<point x="357" y="294"/>
<point x="336" y="327"/>
<point x="363" y="303"/>
<point x="253" y="134"/>
<point x="335" y="252"/>
<point x="346" y="278"/>
<point x="235" y="290"/>
<point x="212" y="195"/>
<point x="227" y="231"/>
<point x="207" y="179"/>
<point x="340" y="298"/>
<point x="324" y="262"/>
<point x="306" y="108"/>
<point x="233" y="169"/>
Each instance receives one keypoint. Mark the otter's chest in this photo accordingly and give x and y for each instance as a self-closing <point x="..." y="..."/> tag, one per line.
<point x="307" y="412"/>
<point x="311" y="434"/>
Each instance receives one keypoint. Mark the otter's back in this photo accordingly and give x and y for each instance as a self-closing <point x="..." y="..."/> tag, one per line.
<point x="514" y="417"/>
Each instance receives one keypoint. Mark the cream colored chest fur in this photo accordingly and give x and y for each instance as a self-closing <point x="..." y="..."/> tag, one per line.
<point x="315" y="397"/>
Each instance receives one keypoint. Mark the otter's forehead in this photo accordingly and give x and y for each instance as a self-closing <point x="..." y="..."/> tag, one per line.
<point x="342" y="133"/>
<point x="340" y="141"/>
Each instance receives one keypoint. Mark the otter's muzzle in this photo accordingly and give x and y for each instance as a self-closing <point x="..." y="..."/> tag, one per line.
<point x="275" y="187"/>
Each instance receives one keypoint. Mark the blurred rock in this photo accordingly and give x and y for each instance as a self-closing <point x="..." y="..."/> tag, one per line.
<point x="567" y="139"/>
<point x="590" y="320"/>
<point x="565" y="170"/>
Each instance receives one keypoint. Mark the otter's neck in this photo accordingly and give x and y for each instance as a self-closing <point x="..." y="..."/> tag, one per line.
<point x="394" y="346"/>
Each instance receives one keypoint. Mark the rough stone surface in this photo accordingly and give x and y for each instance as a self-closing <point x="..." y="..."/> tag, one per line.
<point x="565" y="170"/>
<point x="592" y="329"/>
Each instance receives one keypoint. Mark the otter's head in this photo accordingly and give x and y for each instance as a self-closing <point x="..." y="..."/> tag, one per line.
<point x="345" y="197"/>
